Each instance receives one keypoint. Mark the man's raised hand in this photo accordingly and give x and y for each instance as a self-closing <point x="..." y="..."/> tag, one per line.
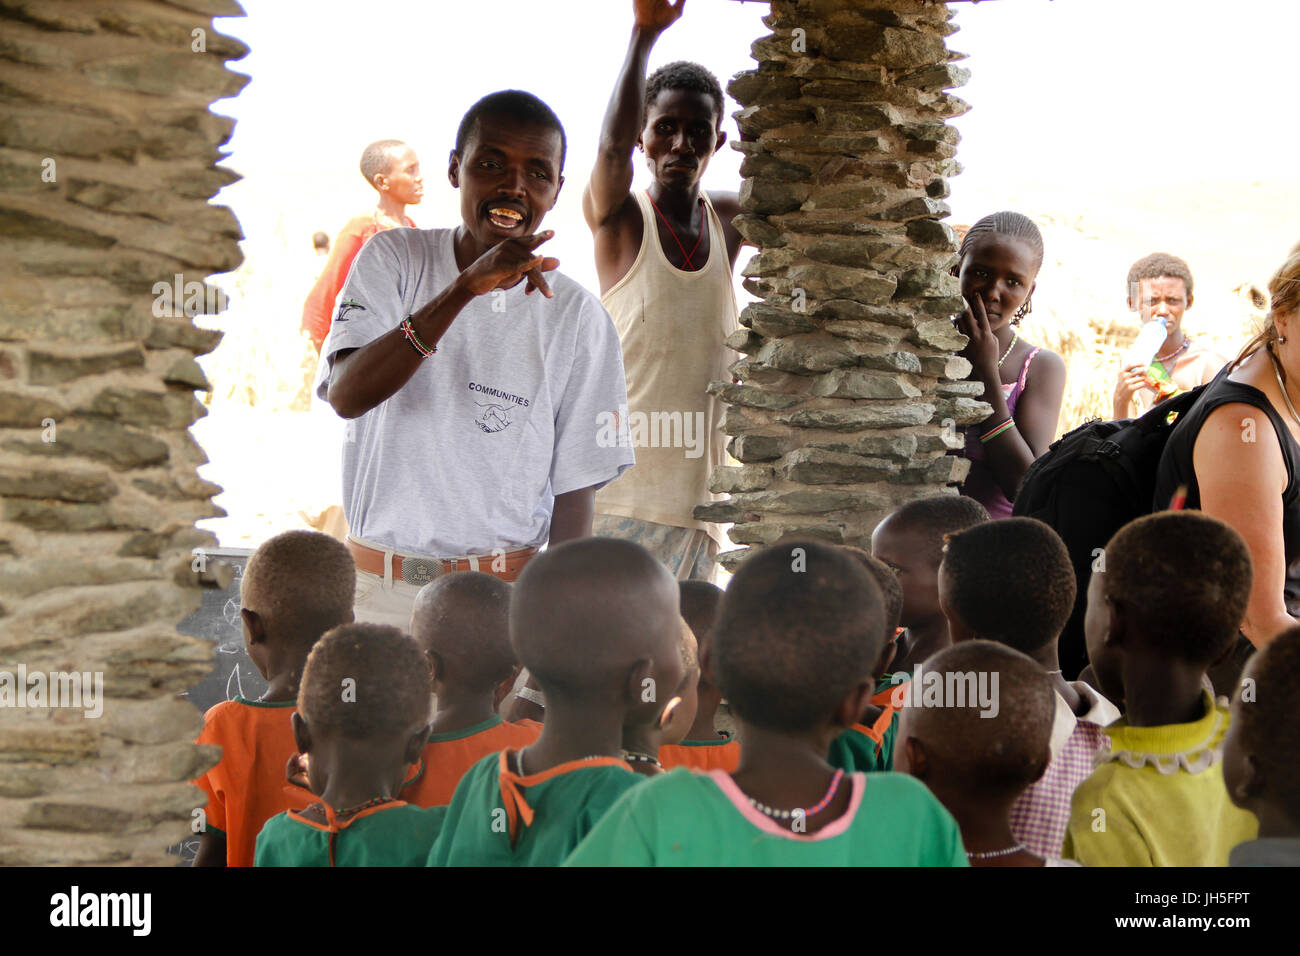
<point x="657" y="15"/>
<point x="507" y="262"/>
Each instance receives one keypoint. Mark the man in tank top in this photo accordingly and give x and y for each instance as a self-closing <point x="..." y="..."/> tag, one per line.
<point x="664" y="258"/>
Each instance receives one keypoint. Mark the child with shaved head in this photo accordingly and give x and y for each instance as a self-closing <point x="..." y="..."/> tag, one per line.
<point x="800" y="630"/>
<point x="295" y="587"/>
<point x="597" y="623"/>
<point x="704" y="746"/>
<point x="1259" y="753"/>
<point x="462" y="622"/>
<point x="978" y="760"/>
<point x="1167" y="606"/>
<point x="869" y="744"/>
<point x="363" y="716"/>
<point x="910" y="541"/>
<point x="1011" y="581"/>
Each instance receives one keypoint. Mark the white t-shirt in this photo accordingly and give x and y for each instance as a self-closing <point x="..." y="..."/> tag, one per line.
<point x="469" y="454"/>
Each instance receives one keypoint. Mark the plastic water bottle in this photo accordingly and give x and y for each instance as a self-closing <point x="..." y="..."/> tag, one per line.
<point x="1148" y="344"/>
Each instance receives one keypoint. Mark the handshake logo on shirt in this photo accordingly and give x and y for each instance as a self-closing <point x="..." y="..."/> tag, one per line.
<point x="624" y="429"/>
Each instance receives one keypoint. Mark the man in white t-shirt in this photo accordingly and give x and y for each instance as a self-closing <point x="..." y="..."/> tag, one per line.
<point x="475" y="384"/>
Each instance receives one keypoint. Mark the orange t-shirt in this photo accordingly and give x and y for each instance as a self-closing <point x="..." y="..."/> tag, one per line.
<point x="447" y="757"/>
<point x="722" y="753"/>
<point x="318" y="310"/>
<point x="248" y="786"/>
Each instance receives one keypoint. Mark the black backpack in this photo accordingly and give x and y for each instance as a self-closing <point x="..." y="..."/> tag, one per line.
<point x="1089" y="484"/>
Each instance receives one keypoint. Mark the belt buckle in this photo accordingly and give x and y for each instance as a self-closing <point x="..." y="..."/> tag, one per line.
<point x="421" y="570"/>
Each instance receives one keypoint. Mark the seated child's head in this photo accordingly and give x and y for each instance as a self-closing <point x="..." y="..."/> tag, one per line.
<point x="798" y="639"/>
<point x="462" y="621"/>
<point x="597" y="622"/>
<point x="295" y="587"/>
<point x="700" y="600"/>
<point x="363" y="706"/>
<point x="1174" y="591"/>
<point x="990" y="738"/>
<point x="1260" y="768"/>
<point x="1009" y="581"/>
<point x="910" y="541"/>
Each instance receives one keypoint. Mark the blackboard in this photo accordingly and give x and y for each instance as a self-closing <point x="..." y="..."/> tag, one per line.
<point x="233" y="674"/>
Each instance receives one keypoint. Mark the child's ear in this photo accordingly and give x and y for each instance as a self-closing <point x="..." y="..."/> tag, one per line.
<point x="1118" y="625"/>
<point x="887" y="655"/>
<point x="854" y="704"/>
<point x="301" y="733"/>
<point x="436" y="666"/>
<point x="918" y="761"/>
<point x="1250" y="786"/>
<point x="253" y="626"/>
<point x="706" y="662"/>
<point x="503" y="689"/>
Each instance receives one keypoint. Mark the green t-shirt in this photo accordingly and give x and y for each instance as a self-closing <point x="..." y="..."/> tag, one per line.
<point x="687" y="819"/>
<point x="854" y="750"/>
<point x="566" y="802"/>
<point x="396" y="835"/>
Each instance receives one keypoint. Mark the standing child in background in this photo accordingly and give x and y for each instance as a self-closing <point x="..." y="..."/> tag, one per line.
<point x="597" y="623"/>
<point x="978" y="760"/>
<point x="1012" y="582"/>
<point x="295" y="587"/>
<point x="392" y="169"/>
<point x="998" y="262"/>
<point x="800" y="630"/>
<point x="1260" y="750"/>
<point x="1167" y="606"/>
<point x="363" y="716"/>
<point x="704" y="747"/>
<point x="462" y="622"/>
<point x="868" y="745"/>
<point x="910" y="541"/>
<point x="644" y="739"/>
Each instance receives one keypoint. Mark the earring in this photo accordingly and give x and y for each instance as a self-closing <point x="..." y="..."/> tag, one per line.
<point x="1025" y="309"/>
<point x="670" y="708"/>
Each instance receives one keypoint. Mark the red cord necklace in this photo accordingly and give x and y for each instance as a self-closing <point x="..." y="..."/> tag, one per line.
<point x="686" y="256"/>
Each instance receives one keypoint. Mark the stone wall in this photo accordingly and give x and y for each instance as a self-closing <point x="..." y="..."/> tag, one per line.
<point x="108" y="156"/>
<point x="849" y="381"/>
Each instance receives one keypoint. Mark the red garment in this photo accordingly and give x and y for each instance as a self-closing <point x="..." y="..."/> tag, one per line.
<point x="318" y="310"/>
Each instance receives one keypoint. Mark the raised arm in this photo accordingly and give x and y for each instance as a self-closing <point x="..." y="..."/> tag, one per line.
<point x="1241" y="475"/>
<point x="611" y="177"/>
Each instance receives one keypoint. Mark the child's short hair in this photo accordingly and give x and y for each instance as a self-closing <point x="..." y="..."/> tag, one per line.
<point x="685" y="75"/>
<point x="890" y="589"/>
<point x="700" y="600"/>
<point x="301" y="583"/>
<point x="365" y="682"/>
<point x="1270" y="722"/>
<point x="1184" y="580"/>
<point x="801" y="623"/>
<point x="935" y="516"/>
<point x="1010" y="581"/>
<point x="994" y="753"/>
<point x="464" y="618"/>
<point x="584" y="612"/>
<point x="375" y="159"/>
<point x="1158" y="265"/>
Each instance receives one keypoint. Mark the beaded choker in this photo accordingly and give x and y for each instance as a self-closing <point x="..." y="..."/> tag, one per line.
<point x="993" y="853"/>
<point x="633" y="756"/>
<point x="799" y="813"/>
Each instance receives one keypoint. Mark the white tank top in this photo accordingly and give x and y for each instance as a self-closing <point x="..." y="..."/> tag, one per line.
<point x="672" y="324"/>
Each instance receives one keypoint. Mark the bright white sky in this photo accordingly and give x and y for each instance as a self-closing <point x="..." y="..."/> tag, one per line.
<point x="1077" y="103"/>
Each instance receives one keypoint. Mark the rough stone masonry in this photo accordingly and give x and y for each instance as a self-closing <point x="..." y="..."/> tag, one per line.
<point x="849" y="382"/>
<point x="108" y="156"/>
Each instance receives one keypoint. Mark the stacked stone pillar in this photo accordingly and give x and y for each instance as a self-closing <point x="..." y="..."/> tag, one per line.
<point x="849" y="392"/>
<point x="108" y="156"/>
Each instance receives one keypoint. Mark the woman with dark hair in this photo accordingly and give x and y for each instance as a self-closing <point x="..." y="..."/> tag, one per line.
<point x="1237" y="452"/>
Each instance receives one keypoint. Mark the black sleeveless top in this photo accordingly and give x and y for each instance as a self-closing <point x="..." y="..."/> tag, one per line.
<point x="1176" y="467"/>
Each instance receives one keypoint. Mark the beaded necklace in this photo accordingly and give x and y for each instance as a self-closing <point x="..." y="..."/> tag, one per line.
<point x="1015" y="334"/>
<point x="993" y="853"/>
<point x="633" y="756"/>
<point x="799" y="812"/>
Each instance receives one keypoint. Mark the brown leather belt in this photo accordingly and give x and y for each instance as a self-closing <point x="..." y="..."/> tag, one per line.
<point x="419" y="571"/>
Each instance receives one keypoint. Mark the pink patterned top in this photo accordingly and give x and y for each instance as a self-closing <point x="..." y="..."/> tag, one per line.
<point x="980" y="483"/>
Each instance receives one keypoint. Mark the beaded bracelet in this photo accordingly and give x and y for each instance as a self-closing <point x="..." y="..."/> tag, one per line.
<point x="409" y="331"/>
<point x="994" y="432"/>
